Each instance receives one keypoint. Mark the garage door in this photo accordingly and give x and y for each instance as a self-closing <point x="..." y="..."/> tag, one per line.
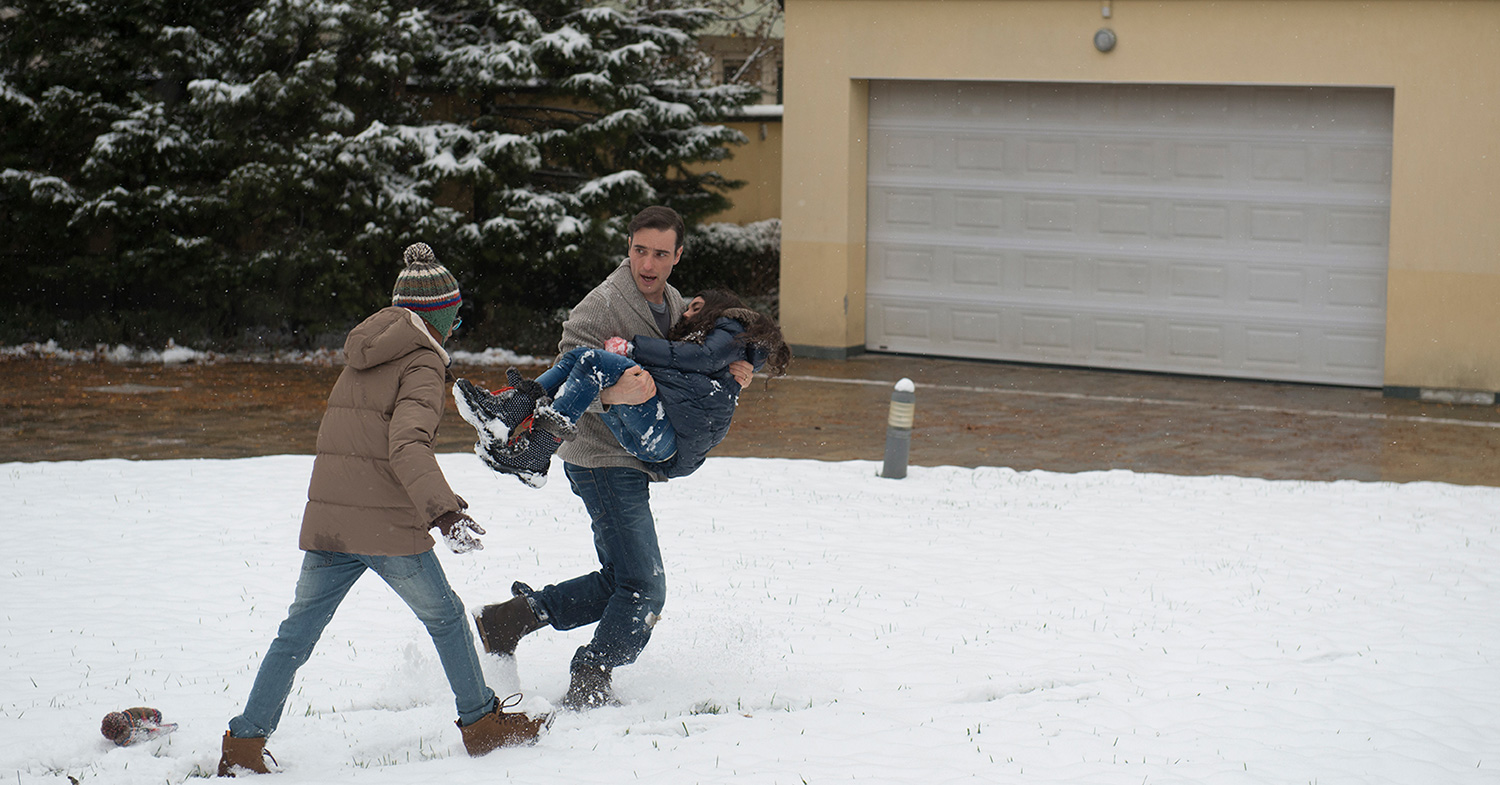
<point x="1227" y="231"/>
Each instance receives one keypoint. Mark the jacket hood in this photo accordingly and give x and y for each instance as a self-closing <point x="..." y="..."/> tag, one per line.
<point x="388" y="334"/>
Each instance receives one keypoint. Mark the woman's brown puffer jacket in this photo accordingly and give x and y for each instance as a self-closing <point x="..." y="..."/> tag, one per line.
<point x="376" y="486"/>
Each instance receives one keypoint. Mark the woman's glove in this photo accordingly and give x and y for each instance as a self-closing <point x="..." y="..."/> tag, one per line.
<point x="460" y="532"/>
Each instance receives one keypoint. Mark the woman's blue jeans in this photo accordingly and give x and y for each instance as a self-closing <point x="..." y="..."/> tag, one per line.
<point x="326" y="578"/>
<point x="575" y="381"/>
<point x="626" y="595"/>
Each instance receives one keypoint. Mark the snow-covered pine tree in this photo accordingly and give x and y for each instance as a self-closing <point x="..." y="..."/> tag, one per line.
<point x="617" y="99"/>
<point x="244" y="165"/>
<point x="69" y="74"/>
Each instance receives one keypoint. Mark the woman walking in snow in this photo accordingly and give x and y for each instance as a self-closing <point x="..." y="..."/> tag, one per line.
<point x="376" y="490"/>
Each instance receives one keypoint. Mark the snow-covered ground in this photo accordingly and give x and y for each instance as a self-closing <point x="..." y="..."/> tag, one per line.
<point x="823" y="625"/>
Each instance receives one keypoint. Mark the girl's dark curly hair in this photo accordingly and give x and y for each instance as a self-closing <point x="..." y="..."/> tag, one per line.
<point x="760" y="330"/>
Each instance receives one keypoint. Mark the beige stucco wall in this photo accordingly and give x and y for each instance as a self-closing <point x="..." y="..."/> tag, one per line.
<point x="1443" y="309"/>
<point x="758" y="164"/>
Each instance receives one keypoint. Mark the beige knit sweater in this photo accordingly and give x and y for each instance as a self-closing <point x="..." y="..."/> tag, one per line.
<point x="614" y="307"/>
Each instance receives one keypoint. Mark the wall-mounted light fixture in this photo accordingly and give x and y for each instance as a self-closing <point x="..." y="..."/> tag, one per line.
<point x="1105" y="40"/>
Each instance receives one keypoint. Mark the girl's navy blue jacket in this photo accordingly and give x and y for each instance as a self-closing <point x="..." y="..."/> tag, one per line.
<point x="696" y="389"/>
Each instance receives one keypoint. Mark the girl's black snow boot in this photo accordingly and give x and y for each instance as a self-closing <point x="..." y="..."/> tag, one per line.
<point x="528" y="456"/>
<point x="504" y="416"/>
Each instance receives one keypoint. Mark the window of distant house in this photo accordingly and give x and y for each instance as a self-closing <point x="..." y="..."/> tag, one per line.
<point x="732" y="70"/>
<point x="737" y="72"/>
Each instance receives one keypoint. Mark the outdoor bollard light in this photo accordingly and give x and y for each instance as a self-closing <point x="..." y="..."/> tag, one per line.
<point x="898" y="429"/>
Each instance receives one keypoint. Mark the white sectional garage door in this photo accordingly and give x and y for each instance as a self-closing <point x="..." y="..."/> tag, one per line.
<point x="1226" y="231"/>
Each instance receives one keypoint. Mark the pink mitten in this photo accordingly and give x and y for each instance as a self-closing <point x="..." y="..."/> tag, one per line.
<point x="618" y="345"/>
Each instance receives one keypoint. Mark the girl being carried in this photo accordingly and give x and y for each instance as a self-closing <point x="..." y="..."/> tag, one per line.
<point x="520" y="426"/>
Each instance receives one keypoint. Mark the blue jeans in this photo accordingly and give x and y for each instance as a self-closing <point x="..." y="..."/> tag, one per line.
<point x="326" y="578"/>
<point x="575" y="381"/>
<point x="628" y="591"/>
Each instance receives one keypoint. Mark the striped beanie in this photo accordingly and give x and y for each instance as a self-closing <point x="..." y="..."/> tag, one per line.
<point x="428" y="288"/>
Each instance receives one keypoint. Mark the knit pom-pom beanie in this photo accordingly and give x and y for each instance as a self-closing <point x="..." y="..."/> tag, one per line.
<point x="428" y="288"/>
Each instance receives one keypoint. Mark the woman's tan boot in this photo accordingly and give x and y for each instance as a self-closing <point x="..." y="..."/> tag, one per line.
<point x="501" y="729"/>
<point x="247" y="754"/>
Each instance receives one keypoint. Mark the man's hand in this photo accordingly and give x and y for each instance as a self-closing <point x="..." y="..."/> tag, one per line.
<point x="635" y="386"/>
<point x="742" y="372"/>
<point x="460" y="532"/>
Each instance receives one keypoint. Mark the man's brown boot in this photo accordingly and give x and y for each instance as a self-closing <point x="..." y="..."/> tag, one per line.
<point x="247" y="754"/>
<point x="501" y="729"/>
<point x="503" y="625"/>
<point x="589" y="687"/>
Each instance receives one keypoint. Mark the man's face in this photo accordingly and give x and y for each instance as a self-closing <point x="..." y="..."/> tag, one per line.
<point x="653" y="254"/>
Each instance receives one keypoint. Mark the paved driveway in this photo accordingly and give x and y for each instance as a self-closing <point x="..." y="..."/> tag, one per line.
<point x="967" y="414"/>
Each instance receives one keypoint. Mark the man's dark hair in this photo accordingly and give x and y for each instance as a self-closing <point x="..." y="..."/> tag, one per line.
<point x="659" y="218"/>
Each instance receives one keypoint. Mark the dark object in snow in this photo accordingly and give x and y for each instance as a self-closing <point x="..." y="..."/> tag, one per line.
<point x="133" y="725"/>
